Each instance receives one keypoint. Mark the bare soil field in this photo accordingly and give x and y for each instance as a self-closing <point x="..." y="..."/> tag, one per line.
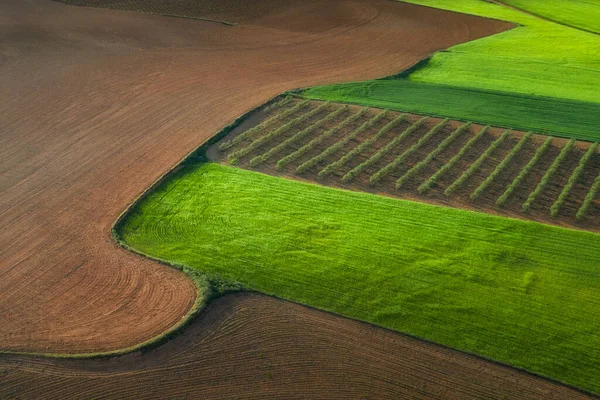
<point x="98" y="104"/>
<point x="255" y="347"/>
<point x="396" y="154"/>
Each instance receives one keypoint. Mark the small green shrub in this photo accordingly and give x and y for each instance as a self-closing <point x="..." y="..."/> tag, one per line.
<point x="236" y="155"/>
<point x="476" y="165"/>
<point x="589" y="198"/>
<point x="446" y="167"/>
<point x="340" y="144"/>
<point x="548" y="175"/>
<point x="422" y="164"/>
<point x="555" y="209"/>
<point x="524" y="172"/>
<point x="501" y="167"/>
<point x="392" y="165"/>
<point x="263" y="125"/>
<point x="298" y="136"/>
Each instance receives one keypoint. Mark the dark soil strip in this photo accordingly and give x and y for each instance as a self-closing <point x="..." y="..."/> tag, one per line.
<point x="461" y="198"/>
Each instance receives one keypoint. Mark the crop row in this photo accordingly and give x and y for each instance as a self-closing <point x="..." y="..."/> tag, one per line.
<point x="498" y="170"/>
<point x="340" y="143"/>
<point x="298" y="136"/>
<point x="236" y="155"/>
<point x="589" y="198"/>
<point x="432" y="155"/>
<point x="548" y="175"/>
<point x="320" y="139"/>
<point x="476" y="165"/>
<point x="263" y="125"/>
<point x="524" y="172"/>
<point x="381" y="152"/>
<point x="555" y="209"/>
<point x="446" y="167"/>
<point x="400" y="159"/>
<point x="361" y="147"/>
<point x="279" y="103"/>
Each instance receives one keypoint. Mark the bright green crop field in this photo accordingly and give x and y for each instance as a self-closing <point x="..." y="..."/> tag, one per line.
<point x="506" y="289"/>
<point x="581" y="14"/>
<point x="568" y="118"/>
<point x="539" y="76"/>
<point x="537" y="58"/>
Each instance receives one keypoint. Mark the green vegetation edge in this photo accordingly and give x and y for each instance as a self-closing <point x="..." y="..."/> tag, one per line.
<point x="545" y="115"/>
<point x="208" y="286"/>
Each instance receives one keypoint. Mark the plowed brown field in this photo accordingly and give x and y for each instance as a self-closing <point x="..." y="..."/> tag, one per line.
<point x="255" y="347"/>
<point x="97" y="104"/>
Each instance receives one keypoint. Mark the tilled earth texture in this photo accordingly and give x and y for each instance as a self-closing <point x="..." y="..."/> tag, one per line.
<point x="255" y="347"/>
<point x="97" y="104"/>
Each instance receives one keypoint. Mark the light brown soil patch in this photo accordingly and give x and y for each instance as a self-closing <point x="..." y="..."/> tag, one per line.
<point x="98" y="104"/>
<point x="486" y="202"/>
<point x="249" y="346"/>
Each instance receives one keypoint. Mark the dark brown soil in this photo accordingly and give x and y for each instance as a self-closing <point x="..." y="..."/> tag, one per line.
<point x="97" y="104"/>
<point x="248" y="346"/>
<point x="461" y="198"/>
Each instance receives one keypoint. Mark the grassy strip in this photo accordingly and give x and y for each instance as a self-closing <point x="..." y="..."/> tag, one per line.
<point x="298" y="136"/>
<point x="548" y="175"/>
<point x="236" y="155"/>
<point x="557" y="117"/>
<point x="382" y="152"/>
<point x="377" y="176"/>
<point x="589" y="198"/>
<point x="281" y="164"/>
<point x="524" y="172"/>
<point x="452" y="280"/>
<point x="361" y="147"/>
<point x="555" y="209"/>
<point x="509" y="157"/>
<point x="476" y="165"/>
<point x="423" y="163"/>
<point x="260" y="127"/>
<point x="379" y="154"/>
<point x="578" y="14"/>
<point x="446" y="167"/>
<point x="341" y="143"/>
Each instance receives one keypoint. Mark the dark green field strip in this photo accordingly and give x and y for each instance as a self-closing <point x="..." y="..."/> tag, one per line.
<point x="565" y="118"/>
<point x="502" y="288"/>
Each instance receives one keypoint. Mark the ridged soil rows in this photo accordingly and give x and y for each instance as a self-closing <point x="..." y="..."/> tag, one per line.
<point x="447" y="162"/>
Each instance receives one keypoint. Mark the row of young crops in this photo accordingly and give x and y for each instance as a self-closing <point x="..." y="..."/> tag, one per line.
<point x="380" y="148"/>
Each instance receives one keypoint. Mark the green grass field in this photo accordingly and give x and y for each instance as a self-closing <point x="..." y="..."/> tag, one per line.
<point x="537" y="58"/>
<point x="566" y="118"/>
<point x="505" y="289"/>
<point x="581" y="14"/>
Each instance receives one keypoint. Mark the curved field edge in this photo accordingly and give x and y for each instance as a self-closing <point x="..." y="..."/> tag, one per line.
<point x="291" y="257"/>
<point x="209" y="286"/>
<point x="548" y="115"/>
<point x="531" y="59"/>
